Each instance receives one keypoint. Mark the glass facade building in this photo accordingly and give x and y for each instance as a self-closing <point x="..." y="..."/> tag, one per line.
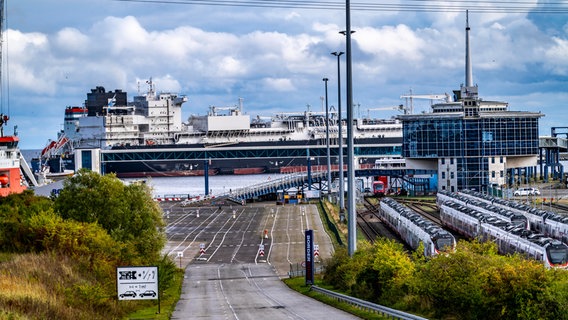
<point x="472" y="150"/>
<point x="473" y="143"/>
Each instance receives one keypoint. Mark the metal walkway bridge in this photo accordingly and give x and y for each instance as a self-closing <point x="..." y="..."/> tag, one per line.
<point x="317" y="180"/>
<point x="297" y="180"/>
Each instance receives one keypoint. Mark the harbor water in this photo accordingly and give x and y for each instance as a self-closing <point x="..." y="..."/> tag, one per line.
<point x="164" y="187"/>
<point x="192" y="186"/>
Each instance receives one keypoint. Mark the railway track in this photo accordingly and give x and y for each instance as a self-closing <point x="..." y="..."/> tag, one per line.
<point x="560" y="208"/>
<point x="426" y="209"/>
<point x="371" y="225"/>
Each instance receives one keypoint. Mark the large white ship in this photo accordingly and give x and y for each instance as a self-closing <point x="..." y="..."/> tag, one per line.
<point x="228" y="139"/>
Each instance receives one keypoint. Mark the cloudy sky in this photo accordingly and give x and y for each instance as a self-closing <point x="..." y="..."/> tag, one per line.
<point x="274" y="57"/>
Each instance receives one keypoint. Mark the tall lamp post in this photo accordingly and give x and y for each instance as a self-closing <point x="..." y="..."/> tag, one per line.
<point x="340" y="138"/>
<point x="351" y="217"/>
<point x="325" y="80"/>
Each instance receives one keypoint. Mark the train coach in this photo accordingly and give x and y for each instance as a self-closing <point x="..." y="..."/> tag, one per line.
<point x="413" y="228"/>
<point x="379" y="188"/>
<point x="509" y="238"/>
<point x="510" y="216"/>
<point x="549" y="223"/>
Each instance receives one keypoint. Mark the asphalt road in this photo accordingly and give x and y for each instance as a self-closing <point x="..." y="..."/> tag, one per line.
<point x="235" y="257"/>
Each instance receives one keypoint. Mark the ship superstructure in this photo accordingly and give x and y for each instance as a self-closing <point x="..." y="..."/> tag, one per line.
<point x="153" y="122"/>
<point x="11" y="180"/>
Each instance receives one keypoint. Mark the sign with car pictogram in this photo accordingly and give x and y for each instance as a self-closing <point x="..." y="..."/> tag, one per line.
<point x="137" y="283"/>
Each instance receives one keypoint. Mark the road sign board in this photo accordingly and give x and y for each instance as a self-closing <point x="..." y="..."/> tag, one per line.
<point x="261" y="250"/>
<point x="309" y="246"/>
<point x="137" y="283"/>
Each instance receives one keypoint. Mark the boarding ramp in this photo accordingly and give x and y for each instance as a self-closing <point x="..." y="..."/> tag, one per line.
<point x="296" y="180"/>
<point x="299" y="180"/>
<point x="27" y="171"/>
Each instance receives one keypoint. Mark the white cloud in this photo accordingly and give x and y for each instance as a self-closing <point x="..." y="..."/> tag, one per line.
<point x="283" y="85"/>
<point x="399" y="41"/>
<point x="292" y="15"/>
<point x="72" y="41"/>
<point x="557" y="57"/>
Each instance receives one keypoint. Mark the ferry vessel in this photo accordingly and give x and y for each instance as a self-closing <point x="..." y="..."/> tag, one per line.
<point x="11" y="180"/>
<point x="149" y="129"/>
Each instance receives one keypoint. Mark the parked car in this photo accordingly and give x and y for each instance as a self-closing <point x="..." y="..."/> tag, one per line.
<point x="526" y="192"/>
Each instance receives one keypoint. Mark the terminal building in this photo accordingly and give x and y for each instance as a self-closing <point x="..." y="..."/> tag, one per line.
<point x="472" y="143"/>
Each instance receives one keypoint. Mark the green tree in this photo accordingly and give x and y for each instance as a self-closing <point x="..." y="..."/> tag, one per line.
<point x="15" y="210"/>
<point x="393" y="267"/>
<point x="127" y="212"/>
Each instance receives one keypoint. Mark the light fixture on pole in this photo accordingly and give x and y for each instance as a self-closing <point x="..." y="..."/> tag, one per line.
<point x="325" y="80"/>
<point x="340" y="139"/>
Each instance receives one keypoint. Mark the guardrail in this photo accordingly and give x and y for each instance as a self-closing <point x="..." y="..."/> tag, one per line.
<point x="368" y="306"/>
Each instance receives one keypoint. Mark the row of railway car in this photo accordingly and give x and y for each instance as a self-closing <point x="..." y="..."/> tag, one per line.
<point x="514" y="218"/>
<point x="546" y="222"/>
<point x="510" y="238"/>
<point x="415" y="229"/>
<point x="473" y="218"/>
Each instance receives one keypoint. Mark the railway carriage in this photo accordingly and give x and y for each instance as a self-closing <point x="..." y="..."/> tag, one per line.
<point x="414" y="229"/>
<point x="510" y="216"/>
<point x="379" y="188"/>
<point x="508" y="237"/>
<point x="546" y="222"/>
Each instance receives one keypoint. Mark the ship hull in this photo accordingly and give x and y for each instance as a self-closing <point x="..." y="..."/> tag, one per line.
<point x="238" y="159"/>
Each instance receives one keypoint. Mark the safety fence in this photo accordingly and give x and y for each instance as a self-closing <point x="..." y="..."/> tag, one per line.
<point x="367" y="306"/>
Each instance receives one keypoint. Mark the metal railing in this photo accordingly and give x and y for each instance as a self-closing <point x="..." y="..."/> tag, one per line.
<point x="368" y="306"/>
<point x="288" y="181"/>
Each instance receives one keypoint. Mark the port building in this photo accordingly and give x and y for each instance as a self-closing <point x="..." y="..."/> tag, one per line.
<point x="470" y="142"/>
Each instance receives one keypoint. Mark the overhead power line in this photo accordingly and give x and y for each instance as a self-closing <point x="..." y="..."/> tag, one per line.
<point x="410" y="5"/>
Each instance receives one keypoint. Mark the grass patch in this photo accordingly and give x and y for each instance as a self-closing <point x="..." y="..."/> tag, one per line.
<point x="51" y="286"/>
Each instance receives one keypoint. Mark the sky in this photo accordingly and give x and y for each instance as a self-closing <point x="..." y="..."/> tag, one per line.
<point x="275" y="58"/>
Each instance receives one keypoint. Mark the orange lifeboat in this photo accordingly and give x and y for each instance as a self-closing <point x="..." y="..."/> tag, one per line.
<point x="4" y="180"/>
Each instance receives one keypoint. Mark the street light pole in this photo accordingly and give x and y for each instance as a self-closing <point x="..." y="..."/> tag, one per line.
<point x="325" y="80"/>
<point x="340" y="138"/>
<point x="351" y="217"/>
